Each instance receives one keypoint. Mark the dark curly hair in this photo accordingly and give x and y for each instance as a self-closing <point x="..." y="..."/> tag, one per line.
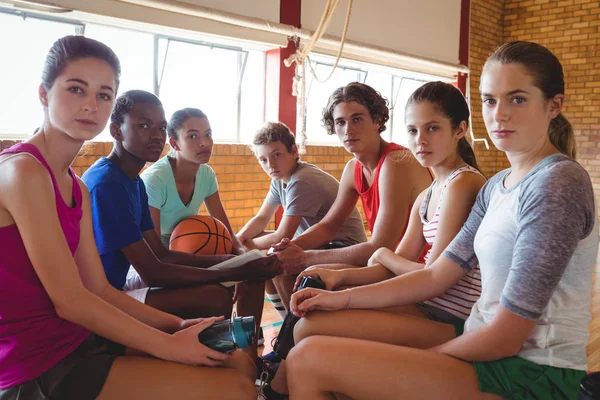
<point x="127" y="100"/>
<point x="362" y="94"/>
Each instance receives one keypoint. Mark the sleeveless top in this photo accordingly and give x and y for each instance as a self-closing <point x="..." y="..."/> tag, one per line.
<point x="460" y="298"/>
<point x="33" y="338"/>
<point x="369" y="195"/>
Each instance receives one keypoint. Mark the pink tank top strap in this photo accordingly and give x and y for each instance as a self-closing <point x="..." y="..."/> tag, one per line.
<point x="35" y="152"/>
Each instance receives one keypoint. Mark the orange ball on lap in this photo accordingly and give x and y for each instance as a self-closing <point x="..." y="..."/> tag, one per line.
<point x="201" y="234"/>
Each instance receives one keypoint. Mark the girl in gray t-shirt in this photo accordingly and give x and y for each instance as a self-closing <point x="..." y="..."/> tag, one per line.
<point x="534" y="233"/>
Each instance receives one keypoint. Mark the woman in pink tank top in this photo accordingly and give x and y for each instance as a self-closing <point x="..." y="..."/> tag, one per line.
<point x="437" y="118"/>
<point x="63" y="327"/>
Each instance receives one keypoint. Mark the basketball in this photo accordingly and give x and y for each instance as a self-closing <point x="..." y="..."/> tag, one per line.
<point x="201" y="234"/>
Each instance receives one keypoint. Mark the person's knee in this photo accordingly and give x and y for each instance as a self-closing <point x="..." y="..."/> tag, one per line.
<point x="241" y="389"/>
<point x="302" y="359"/>
<point x="242" y="362"/>
<point x="307" y="326"/>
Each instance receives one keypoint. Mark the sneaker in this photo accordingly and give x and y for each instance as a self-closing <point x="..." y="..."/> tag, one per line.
<point x="266" y="370"/>
<point x="266" y="393"/>
<point x="261" y="337"/>
<point x="271" y="357"/>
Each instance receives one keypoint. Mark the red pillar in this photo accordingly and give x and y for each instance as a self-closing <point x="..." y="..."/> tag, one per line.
<point x="463" y="44"/>
<point x="280" y="104"/>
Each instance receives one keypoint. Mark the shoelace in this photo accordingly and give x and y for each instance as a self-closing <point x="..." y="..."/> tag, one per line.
<point x="264" y="377"/>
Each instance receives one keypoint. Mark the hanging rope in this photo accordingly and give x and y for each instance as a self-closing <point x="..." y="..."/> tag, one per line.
<point x="301" y="57"/>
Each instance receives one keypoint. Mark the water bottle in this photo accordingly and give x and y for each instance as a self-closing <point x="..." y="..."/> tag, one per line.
<point x="229" y="335"/>
<point x="285" y="339"/>
<point x="589" y="389"/>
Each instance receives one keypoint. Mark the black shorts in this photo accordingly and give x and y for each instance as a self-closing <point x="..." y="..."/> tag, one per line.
<point x="80" y="375"/>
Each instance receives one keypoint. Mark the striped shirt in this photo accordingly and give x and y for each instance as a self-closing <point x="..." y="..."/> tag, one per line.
<point x="460" y="298"/>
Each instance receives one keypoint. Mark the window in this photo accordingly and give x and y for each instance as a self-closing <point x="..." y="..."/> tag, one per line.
<point x="136" y="55"/>
<point x="403" y="88"/>
<point x="227" y="83"/>
<point x="21" y="68"/>
<point x="317" y="94"/>
<point x="395" y="85"/>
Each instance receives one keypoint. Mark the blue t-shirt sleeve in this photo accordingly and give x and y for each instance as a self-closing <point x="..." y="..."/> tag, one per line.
<point x="113" y="217"/>
<point x="146" y="223"/>
<point x="214" y="186"/>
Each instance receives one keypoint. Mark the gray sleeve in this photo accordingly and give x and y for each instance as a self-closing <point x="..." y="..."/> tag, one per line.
<point x="556" y="211"/>
<point x="461" y="250"/>
<point x="302" y="200"/>
<point x="274" y="195"/>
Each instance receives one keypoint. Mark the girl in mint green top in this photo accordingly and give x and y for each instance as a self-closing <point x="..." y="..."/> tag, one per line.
<point x="178" y="184"/>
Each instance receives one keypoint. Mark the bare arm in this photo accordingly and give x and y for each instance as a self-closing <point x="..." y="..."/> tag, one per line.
<point x="258" y="223"/>
<point x="156" y="273"/>
<point x="503" y="337"/>
<point x="322" y="233"/>
<point x="94" y="279"/>
<point x="458" y="200"/>
<point x="287" y="228"/>
<point x="28" y="195"/>
<point x="214" y="206"/>
<point x="396" y="186"/>
<point x="250" y="233"/>
<point x="409" y="288"/>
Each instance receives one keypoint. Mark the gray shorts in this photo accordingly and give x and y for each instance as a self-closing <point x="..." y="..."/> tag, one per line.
<point x="78" y="376"/>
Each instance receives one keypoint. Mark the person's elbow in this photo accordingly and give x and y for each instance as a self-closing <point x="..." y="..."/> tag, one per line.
<point x="150" y="273"/>
<point x="68" y="303"/>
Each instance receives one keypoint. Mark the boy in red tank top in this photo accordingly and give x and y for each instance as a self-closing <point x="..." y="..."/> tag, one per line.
<point x="385" y="177"/>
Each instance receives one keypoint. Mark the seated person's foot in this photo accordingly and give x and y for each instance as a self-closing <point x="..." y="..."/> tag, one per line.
<point x="266" y="370"/>
<point x="271" y="357"/>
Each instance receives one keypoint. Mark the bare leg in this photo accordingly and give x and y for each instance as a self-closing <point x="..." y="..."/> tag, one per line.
<point x="251" y="304"/>
<point x="270" y="287"/>
<point x="359" y="369"/>
<point x="193" y="301"/>
<point x="285" y="285"/>
<point x="386" y="327"/>
<point x="132" y="378"/>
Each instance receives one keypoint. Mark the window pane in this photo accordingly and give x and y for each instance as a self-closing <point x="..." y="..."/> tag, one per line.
<point x="318" y="93"/>
<point x="135" y="51"/>
<point x="403" y="88"/>
<point x="382" y="82"/>
<point x="21" y="69"/>
<point x="201" y="77"/>
<point x="253" y="96"/>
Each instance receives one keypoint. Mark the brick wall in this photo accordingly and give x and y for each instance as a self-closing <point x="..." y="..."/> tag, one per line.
<point x="570" y="29"/>
<point x="243" y="184"/>
<point x="485" y="35"/>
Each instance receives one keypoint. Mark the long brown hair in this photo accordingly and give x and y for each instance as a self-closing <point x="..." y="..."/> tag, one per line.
<point x="450" y="102"/>
<point x="548" y="76"/>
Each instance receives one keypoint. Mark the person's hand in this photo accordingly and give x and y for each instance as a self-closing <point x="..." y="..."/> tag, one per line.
<point x="282" y="245"/>
<point x="309" y="299"/>
<point x="331" y="278"/>
<point x="186" y="323"/>
<point x="184" y="347"/>
<point x="264" y="268"/>
<point x="240" y="290"/>
<point x="377" y="256"/>
<point x="294" y="258"/>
